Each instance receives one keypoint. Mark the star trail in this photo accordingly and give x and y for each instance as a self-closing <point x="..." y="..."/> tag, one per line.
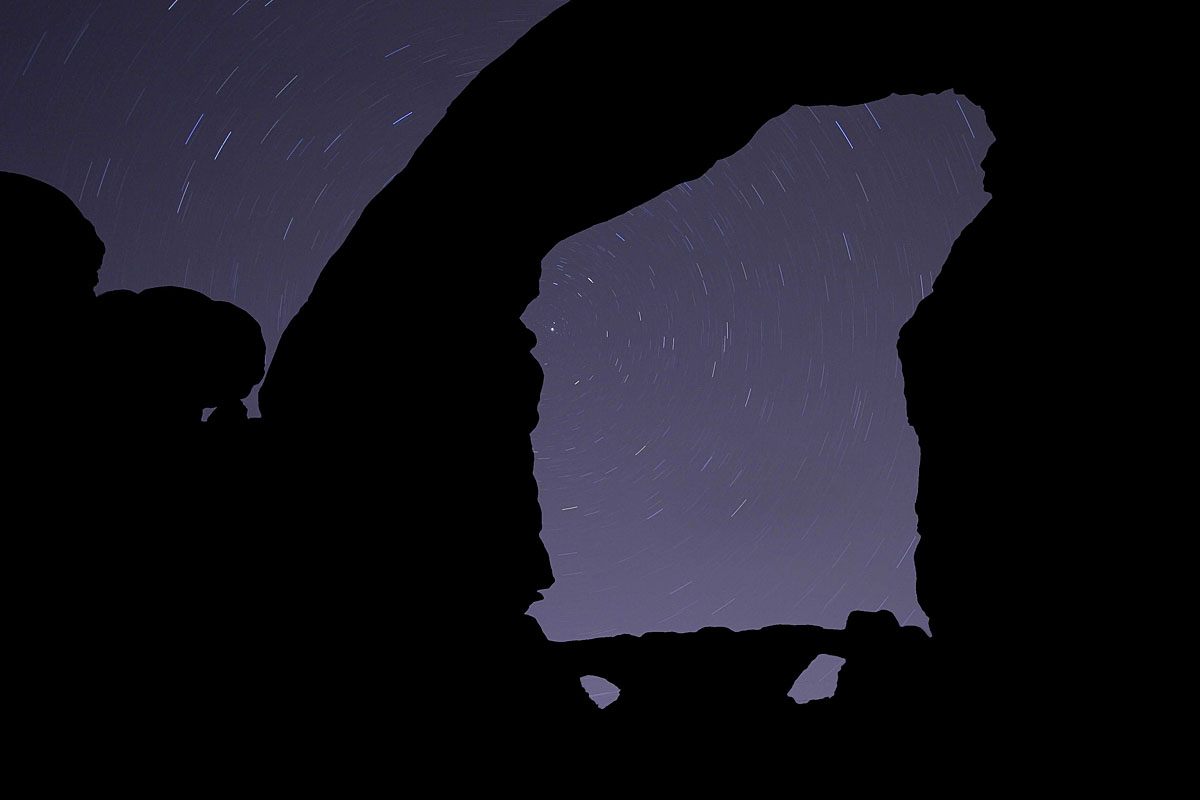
<point x="722" y="436"/>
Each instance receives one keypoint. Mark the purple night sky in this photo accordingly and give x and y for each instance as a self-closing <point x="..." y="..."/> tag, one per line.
<point x="723" y="437"/>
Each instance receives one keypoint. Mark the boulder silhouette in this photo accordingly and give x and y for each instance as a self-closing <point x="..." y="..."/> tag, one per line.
<point x="77" y="362"/>
<point x="167" y="353"/>
<point x="52" y="257"/>
<point x="52" y="251"/>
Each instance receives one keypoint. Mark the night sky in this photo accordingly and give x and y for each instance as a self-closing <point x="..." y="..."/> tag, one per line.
<point x="723" y="437"/>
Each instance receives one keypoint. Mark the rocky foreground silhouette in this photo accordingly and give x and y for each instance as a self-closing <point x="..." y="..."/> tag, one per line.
<point x="338" y="592"/>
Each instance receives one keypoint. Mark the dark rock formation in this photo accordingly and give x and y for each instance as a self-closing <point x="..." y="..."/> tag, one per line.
<point x="709" y="681"/>
<point x="52" y="256"/>
<point x="79" y="364"/>
<point x="404" y="482"/>
<point x="615" y="105"/>
<point x="135" y="594"/>
<point x="52" y="252"/>
<point x="165" y="354"/>
<point x="706" y="684"/>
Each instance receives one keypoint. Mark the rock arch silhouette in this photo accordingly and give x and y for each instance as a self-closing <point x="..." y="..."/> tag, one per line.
<point x="563" y="131"/>
<point x="365" y="628"/>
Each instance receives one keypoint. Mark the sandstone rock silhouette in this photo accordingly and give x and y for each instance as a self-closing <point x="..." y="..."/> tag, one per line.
<point x="377" y="579"/>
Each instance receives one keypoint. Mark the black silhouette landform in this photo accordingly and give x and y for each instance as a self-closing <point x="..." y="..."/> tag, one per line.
<point x="334" y="584"/>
